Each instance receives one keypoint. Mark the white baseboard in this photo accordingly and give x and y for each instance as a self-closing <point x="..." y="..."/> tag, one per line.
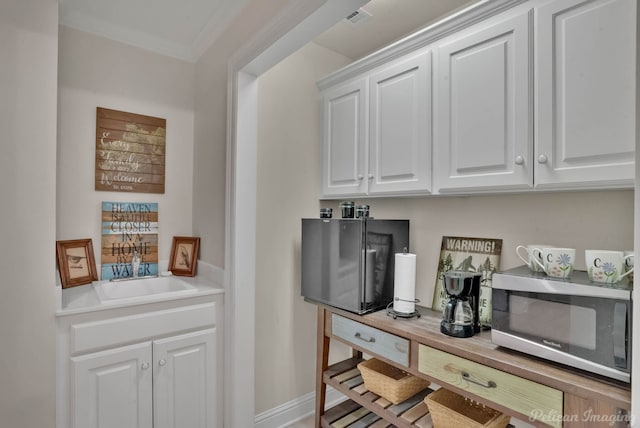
<point x="295" y="410"/>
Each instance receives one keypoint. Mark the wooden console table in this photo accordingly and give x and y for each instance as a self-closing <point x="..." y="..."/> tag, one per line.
<point x="533" y="390"/>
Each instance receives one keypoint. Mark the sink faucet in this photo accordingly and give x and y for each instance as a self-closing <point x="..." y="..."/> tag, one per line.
<point x="135" y="270"/>
<point x="135" y="264"/>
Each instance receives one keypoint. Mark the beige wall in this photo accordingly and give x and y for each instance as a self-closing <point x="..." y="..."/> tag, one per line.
<point x="210" y="130"/>
<point x="581" y="220"/>
<point x="97" y="72"/>
<point x="288" y="188"/>
<point x="28" y="86"/>
<point x="288" y="177"/>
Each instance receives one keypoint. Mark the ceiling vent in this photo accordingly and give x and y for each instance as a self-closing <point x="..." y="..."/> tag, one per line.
<point x="358" y="17"/>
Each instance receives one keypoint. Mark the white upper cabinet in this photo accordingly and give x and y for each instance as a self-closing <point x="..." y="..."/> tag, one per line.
<point x="585" y="93"/>
<point x="483" y="108"/>
<point x="505" y="96"/>
<point x="400" y="127"/>
<point x="345" y="111"/>
<point x="377" y="137"/>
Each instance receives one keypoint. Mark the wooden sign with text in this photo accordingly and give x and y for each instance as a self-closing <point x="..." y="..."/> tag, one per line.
<point x="472" y="255"/>
<point x="129" y="226"/>
<point x="130" y="152"/>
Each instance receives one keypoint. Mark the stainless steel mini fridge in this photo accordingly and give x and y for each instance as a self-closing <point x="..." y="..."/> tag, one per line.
<point x="349" y="263"/>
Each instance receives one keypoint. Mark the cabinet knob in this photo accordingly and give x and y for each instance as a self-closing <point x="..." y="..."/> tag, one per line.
<point x="360" y="177"/>
<point x="519" y="160"/>
<point x="370" y="176"/>
<point x="542" y="159"/>
<point x="145" y="366"/>
<point x="162" y="362"/>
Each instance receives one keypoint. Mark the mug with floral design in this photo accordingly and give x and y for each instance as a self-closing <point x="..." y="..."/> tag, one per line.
<point x="528" y="260"/>
<point x="556" y="262"/>
<point x="606" y="266"/>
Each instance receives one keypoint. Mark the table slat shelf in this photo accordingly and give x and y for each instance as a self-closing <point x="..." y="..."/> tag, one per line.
<point x="364" y="408"/>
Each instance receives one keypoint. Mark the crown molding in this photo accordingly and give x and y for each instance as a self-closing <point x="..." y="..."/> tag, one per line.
<point x="422" y="38"/>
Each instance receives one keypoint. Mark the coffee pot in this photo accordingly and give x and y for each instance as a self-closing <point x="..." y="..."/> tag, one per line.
<point x="460" y="317"/>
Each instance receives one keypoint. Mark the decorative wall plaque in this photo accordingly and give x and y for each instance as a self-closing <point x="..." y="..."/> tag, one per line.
<point x="473" y="255"/>
<point x="129" y="227"/>
<point x="130" y="152"/>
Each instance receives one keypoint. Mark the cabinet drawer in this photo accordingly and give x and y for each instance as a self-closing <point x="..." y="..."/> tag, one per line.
<point x="86" y="337"/>
<point x="386" y="345"/>
<point x="521" y="395"/>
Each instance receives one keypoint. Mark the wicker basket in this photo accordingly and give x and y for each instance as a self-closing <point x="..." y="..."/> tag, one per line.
<point x="389" y="382"/>
<point x="451" y="410"/>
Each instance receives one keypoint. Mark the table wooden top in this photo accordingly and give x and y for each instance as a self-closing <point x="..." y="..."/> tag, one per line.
<point x="479" y="348"/>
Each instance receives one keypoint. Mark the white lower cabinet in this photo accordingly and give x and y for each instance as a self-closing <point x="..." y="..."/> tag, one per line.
<point x="184" y="380"/>
<point x="156" y="365"/>
<point x="113" y="389"/>
<point x="166" y="383"/>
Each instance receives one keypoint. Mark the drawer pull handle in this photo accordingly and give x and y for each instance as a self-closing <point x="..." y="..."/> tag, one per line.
<point x="369" y="340"/>
<point x="466" y="376"/>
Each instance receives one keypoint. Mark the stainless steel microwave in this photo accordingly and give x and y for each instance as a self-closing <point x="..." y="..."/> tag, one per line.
<point x="576" y="322"/>
<point x="349" y="263"/>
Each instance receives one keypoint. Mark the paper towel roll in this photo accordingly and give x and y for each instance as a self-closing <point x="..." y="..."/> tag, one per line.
<point x="404" y="287"/>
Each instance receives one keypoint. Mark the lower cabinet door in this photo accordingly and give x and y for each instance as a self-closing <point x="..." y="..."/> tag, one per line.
<point x="113" y="388"/>
<point x="185" y="381"/>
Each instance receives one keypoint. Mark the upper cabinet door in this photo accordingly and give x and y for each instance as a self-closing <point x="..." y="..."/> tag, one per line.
<point x="483" y="137"/>
<point x="345" y="124"/>
<point x="585" y="93"/>
<point x="400" y="127"/>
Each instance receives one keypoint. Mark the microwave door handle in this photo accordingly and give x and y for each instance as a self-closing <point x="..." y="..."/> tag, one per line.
<point x="620" y="335"/>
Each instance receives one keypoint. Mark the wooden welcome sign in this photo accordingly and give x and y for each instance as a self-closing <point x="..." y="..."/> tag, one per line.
<point x="130" y="152"/>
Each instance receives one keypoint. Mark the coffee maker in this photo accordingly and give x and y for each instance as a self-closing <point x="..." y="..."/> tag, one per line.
<point x="461" y="315"/>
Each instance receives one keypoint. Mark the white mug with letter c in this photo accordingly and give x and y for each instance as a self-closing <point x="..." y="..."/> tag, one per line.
<point x="606" y="266"/>
<point x="529" y="259"/>
<point x="555" y="262"/>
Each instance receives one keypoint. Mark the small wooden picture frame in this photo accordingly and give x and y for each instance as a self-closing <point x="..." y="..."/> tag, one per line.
<point x="184" y="255"/>
<point x="76" y="263"/>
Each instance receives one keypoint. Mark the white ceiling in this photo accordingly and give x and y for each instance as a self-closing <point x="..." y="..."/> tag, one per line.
<point x="186" y="28"/>
<point x="179" y="28"/>
<point x="391" y="20"/>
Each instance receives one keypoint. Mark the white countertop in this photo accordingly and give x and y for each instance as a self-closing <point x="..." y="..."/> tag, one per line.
<point x="83" y="298"/>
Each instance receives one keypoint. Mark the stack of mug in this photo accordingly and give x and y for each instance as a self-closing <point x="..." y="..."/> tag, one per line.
<point x="605" y="266"/>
